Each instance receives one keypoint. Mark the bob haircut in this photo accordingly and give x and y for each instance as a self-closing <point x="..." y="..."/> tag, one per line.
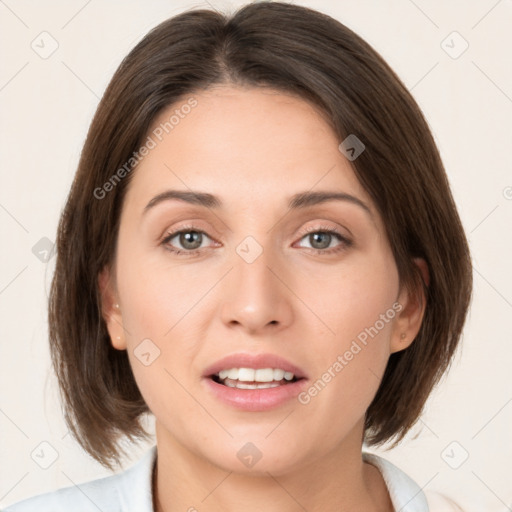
<point x="290" y="49"/>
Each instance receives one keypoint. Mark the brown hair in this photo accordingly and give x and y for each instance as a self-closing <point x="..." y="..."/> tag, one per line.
<point x="295" y="50"/>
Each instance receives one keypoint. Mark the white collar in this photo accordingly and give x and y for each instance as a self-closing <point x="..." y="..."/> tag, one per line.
<point x="404" y="492"/>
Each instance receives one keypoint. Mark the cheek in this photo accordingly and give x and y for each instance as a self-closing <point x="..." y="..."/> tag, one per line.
<point x="160" y="306"/>
<point x="356" y="305"/>
<point x="156" y="294"/>
<point x="348" y="300"/>
<point x="161" y="341"/>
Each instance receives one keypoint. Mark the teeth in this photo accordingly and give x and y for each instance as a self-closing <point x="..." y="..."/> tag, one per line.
<point x="243" y="385"/>
<point x="263" y="375"/>
<point x="279" y="374"/>
<point x="246" y="374"/>
<point x="232" y="374"/>
<point x="252" y="375"/>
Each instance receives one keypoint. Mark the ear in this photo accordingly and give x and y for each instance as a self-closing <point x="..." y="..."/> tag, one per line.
<point x="111" y="310"/>
<point x="410" y="316"/>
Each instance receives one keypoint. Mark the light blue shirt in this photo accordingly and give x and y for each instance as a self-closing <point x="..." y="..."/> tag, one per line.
<point x="131" y="491"/>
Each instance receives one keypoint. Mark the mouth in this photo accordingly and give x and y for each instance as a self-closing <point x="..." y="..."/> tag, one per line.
<point x="254" y="382"/>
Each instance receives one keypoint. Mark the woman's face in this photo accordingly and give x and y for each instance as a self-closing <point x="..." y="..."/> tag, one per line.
<point x="268" y="276"/>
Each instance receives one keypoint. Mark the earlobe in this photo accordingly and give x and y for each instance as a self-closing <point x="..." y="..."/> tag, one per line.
<point x="111" y="310"/>
<point x="413" y="301"/>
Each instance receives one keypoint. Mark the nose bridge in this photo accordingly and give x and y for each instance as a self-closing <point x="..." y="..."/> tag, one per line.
<point x="256" y="296"/>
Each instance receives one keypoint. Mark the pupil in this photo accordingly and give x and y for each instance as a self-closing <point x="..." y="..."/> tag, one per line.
<point x="317" y="237"/>
<point x="191" y="239"/>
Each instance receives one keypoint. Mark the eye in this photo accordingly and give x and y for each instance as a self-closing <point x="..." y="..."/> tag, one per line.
<point x="189" y="241"/>
<point x="321" y="239"/>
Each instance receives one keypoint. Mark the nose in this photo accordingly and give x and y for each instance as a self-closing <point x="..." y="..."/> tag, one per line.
<point x="256" y="296"/>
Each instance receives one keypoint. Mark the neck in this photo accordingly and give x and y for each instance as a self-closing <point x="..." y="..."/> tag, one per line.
<point x="337" y="482"/>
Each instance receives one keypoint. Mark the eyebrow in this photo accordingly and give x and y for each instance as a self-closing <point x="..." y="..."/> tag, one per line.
<point x="297" y="201"/>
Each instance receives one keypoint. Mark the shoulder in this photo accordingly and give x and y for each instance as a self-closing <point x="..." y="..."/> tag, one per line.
<point x="406" y="495"/>
<point x="123" y="492"/>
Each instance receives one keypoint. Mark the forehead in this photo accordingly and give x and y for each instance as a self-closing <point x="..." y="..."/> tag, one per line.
<point x="249" y="146"/>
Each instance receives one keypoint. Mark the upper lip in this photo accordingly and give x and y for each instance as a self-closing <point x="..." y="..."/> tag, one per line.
<point x="245" y="360"/>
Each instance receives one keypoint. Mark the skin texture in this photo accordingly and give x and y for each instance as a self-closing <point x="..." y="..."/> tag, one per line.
<point x="254" y="149"/>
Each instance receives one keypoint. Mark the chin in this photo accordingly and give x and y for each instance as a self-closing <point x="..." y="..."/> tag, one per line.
<point x="256" y="459"/>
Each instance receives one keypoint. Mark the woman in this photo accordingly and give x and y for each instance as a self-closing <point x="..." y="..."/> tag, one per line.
<point x="261" y="249"/>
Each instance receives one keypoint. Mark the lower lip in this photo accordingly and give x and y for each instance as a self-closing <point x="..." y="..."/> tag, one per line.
<point x="256" y="400"/>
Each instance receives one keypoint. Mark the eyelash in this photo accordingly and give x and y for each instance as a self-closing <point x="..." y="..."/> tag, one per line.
<point x="345" y="242"/>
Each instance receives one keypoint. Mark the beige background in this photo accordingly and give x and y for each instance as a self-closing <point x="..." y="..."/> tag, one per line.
<point x="47" y="105"/>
